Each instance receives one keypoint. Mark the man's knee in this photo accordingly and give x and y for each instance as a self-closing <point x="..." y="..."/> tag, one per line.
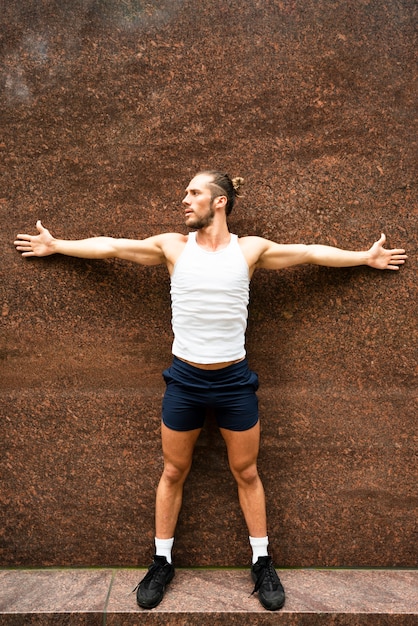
<point x="247" y="475"/>
<point x="175" y="474"/>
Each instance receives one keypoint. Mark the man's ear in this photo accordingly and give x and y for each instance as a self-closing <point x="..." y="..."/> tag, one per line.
<point x="220" y="202"/>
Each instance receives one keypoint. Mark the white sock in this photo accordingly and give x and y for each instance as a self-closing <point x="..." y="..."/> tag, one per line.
<point x="163" y="547"/>
<point x="259" y="546"/>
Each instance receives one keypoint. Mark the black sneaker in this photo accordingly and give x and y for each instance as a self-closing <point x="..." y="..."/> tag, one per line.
<point x="267" y="583"/>
<point x="150" y="590"/>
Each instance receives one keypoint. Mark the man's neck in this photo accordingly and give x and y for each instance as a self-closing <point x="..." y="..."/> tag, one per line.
<point x="213" y="237"/>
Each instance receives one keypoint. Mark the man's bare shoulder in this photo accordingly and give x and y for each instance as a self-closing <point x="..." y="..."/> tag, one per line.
<point x="172" y="237"/>
<point x="170" y="241"/>
<point x="171" y="245"/>
<point x="252" y="240"/>
<point x="252" y="248"/>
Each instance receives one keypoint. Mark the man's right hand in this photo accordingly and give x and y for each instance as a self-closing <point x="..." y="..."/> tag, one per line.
<point x="35" y="245"/>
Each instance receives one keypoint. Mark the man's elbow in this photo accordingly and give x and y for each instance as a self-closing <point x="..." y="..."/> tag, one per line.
<point x="106" y="247"/>
<point x="314" y="254"/>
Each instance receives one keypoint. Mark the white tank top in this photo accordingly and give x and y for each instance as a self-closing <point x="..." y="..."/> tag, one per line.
<point x="209" y="298"/>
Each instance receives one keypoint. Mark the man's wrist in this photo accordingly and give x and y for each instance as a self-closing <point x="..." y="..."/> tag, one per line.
<point x="54" y="245"/>
<point x="367" y="258"/>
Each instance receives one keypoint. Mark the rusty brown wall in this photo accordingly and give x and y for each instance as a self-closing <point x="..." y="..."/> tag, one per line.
<point x="107" y="110"/>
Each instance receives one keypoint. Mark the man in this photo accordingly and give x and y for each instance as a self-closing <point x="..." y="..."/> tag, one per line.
<point x="210" y="272"/>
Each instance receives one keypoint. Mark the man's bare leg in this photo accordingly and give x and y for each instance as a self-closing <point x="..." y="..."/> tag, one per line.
<point x="178" y="454"/>
<point x="178" y="449"/>
<point x="243" y="447"/>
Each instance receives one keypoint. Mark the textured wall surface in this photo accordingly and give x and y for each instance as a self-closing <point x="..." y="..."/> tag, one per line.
<point x="107" y="110"/>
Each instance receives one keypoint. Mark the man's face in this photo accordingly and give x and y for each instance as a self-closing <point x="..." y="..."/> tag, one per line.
<point x="198" y="209"/>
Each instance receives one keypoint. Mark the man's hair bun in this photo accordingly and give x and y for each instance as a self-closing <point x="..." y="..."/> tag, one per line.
<point x="237" y="183"/>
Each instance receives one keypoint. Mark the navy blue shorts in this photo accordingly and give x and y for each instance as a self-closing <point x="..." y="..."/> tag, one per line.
<point x="230" y="392"/>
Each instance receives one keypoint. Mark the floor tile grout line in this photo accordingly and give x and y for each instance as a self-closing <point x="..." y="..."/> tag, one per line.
<point x="109" y="591"/>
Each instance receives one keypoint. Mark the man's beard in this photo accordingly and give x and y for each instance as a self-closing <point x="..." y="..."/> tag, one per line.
<point x="203" y="222"/>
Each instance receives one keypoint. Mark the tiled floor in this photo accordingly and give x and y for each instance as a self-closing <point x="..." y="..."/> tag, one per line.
<point x="104" y="596"/>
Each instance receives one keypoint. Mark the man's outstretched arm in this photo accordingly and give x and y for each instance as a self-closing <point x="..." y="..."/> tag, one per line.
<point x="277" y="256"/>
<point x="146" y="251"/>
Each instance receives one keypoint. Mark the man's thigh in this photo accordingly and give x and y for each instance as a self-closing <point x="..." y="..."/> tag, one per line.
<point x="242" y="446"/>
<point x="178" y="446"/>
